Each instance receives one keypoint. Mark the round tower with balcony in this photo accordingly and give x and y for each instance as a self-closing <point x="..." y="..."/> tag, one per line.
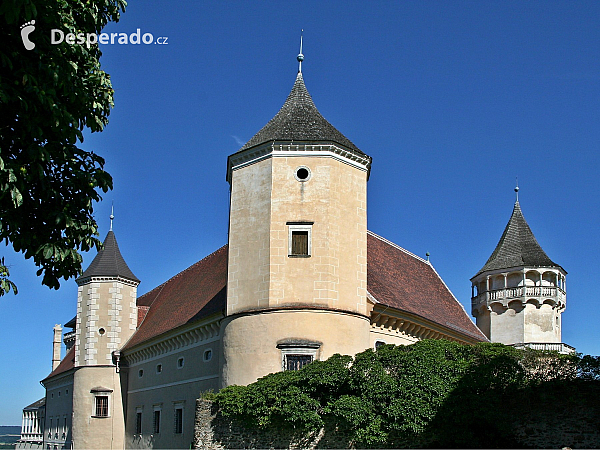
<point x="518" y="296"/>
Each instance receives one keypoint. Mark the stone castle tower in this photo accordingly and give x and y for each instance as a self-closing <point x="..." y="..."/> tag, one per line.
<point x="106" y="319"/>
<point x="518" y="296"/>
<point x="297" y="269"/>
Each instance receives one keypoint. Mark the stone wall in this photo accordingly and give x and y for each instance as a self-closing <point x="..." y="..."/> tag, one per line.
<point x="550" y="417"/>
<point x="215" y="432"/>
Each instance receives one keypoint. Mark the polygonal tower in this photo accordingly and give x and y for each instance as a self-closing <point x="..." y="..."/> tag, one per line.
<point x="518" y="296"/>
<point x="106" y="319"/>
<point x="297" y="268"/>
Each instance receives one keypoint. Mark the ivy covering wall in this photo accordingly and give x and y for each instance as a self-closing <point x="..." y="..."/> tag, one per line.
<point x="430" y="394"/>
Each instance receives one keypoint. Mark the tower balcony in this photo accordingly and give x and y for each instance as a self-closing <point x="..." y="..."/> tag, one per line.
<point x="559" y="347"/>
<point x="504" y="295"/>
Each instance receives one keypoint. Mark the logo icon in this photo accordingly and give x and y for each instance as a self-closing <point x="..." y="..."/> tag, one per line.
<point x="26" y="30"/>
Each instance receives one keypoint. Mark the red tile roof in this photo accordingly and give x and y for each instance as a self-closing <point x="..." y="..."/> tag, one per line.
<point x="401" y="280"/>
<point x="65" y="365"/>
<point x="190" y="295"/>
<point x="396" y="278"/>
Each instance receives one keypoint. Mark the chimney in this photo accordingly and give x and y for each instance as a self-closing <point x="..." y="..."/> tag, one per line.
<point x="56" y="344"/>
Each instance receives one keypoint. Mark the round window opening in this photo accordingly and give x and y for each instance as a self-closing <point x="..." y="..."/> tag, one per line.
<point x="302" y="173"/>
<point x="101" y="331"/>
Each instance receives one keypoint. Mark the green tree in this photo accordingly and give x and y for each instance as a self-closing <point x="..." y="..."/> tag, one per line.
<point x="433" y="393"/>
<point x="48" y="95"/>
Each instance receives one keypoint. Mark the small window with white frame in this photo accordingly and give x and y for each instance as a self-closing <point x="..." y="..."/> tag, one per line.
<point x="101" y="402"/>
<point x="296" y="355"/>
<point x="300" y="239"/>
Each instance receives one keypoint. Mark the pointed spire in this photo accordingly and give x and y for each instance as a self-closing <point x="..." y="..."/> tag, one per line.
<point x="109" y="262"/>
<point x="300" y="56"/>
<point x="517" y="190"/>
<point x="518" y="246"/>
<point x="299" y="120"/>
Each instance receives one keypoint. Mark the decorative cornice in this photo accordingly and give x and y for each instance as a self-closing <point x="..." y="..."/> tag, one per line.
<point x="405" y="323"/>
<point x="291" y="149"/>
<point x="182" y="338"/>
<point x="87" y="280"/>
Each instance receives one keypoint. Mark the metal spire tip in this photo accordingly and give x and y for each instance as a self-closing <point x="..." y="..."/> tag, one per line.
<point x="300" y="56"/>
<point x="112" y="214"/>
<point x="517" y="189"/>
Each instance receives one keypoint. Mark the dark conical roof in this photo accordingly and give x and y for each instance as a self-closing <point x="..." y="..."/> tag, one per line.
<point x="517" y="247"/>
<point x="299" y="120"/>
<point x="109" y="262"/>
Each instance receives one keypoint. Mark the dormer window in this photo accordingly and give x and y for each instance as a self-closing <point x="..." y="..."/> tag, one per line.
<point x="299" y="240"/>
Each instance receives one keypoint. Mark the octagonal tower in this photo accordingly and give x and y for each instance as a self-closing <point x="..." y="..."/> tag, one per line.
<point x="297" y="269"/>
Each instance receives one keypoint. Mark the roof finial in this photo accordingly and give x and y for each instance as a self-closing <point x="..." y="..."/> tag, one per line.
<point x="112" y="214"/>
<point x="300" y="56"/>
<point x="517" y="189"/>
<point x="427" y="254"/>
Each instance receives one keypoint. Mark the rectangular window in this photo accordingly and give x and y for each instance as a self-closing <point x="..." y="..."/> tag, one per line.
<point x="102" y="406"/>
<point x="299" y="243"/>
<point x="299" y="240"/>
<point x="178" y="429"/>
<point x="138" y="422"/>
<point x="156" y="426"/>
<point x="297" y="362"/>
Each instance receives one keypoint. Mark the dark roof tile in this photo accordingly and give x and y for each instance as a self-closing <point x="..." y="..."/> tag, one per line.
<point x="109" y="262"/>
<point x="299" y="120"/>
<point x="517" y="247"/>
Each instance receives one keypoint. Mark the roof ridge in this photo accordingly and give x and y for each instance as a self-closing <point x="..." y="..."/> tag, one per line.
<point x="178" y="274"/>
<point x="398" y="247"/>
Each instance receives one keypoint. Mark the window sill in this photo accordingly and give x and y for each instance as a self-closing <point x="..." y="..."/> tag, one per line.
<point x="298" y="256"/>
<point x="100" y="417"/>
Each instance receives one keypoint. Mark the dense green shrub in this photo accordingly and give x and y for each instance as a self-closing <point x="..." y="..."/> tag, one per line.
<point x="431" y="393"/>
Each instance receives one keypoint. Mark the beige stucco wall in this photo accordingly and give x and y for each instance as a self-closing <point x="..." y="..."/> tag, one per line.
<point x="91" y="432"/>
<point x="172" y="386"/>
<point x="541" y="324"/>
<point x="250" y="341"/>
<point x="264" y="197"/>
<point x="390" y="336"/>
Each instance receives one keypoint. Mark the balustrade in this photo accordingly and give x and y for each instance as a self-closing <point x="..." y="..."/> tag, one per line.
<point x="520" y="291"/>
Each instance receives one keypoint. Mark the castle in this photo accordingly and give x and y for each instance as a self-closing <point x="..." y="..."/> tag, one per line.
<point x="300" y="279"/>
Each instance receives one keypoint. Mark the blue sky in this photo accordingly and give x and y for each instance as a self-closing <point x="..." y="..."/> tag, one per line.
<point x="453" y="100"/>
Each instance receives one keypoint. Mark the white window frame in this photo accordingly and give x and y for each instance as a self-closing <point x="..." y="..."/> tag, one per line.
<point x="303" y="349"/>
<point x="299" y="226"/>
<point x="101" y="393"/>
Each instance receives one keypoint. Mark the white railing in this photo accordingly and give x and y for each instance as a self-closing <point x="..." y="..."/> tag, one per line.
<point x="553" y="292"/>
<point x="547" y="347"/>
<point x="32" y="437"/>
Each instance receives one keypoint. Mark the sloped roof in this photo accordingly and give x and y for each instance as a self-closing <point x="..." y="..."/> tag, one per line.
<point x="109" y="262"/>
<point x="517" y="247"/>
<point x="299" y="120"/>
<point x="401" y="280"/>
<point x="190" y="295"/>
<point x="35" y="405"/>
<point x="396" y="278"/>
<point x="65" y="365"/>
